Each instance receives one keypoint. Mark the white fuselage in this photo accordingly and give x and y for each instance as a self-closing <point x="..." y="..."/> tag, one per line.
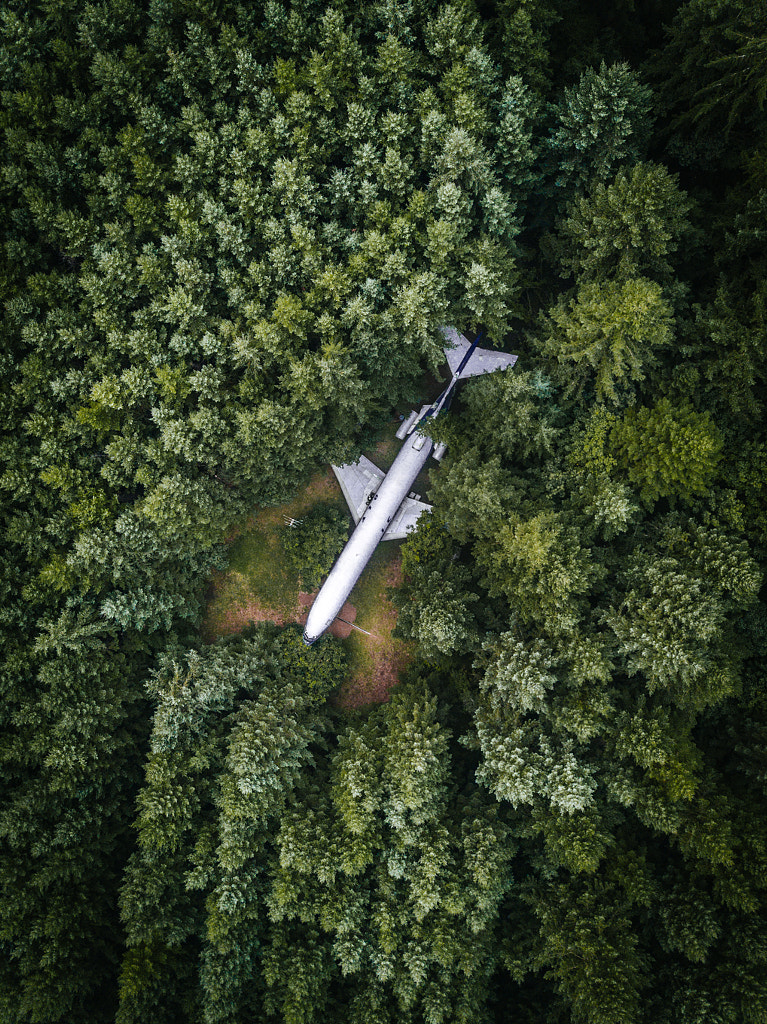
<point x="382" y="509"/>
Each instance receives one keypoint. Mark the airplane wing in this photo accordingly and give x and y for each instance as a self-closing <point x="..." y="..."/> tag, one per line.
<point x="363" y="478"/>
<point x="358" y="481"/>
<point x="483" y="360"/>
<point x="405" y="519"/>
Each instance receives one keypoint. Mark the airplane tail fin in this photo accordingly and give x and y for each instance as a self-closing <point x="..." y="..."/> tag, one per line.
<point x="483" y="360"/>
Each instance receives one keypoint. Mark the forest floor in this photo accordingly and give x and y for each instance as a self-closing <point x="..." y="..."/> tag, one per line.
<point x="258" y="586"/>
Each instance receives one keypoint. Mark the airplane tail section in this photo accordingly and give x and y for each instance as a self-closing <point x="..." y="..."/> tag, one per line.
<point x="483" y="360"/>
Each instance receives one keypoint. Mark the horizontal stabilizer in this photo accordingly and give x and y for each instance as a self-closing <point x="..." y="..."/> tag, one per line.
<point x="483" y="360"/>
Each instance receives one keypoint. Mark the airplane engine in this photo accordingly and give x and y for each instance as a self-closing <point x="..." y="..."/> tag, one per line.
<point x="439" y="451"/>
<point x="406" y="425"/>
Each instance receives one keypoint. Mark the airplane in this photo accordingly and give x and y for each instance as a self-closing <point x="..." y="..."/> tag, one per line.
<point x="382" y="504"/>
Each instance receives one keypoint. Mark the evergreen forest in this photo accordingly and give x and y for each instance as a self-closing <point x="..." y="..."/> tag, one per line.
<point x="231" y="231"/>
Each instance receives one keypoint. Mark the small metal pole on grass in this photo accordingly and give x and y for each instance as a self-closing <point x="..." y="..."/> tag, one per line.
<point x="361" y="630"/>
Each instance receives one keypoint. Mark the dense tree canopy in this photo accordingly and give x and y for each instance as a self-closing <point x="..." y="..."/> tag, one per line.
<point x="232" y="232"/>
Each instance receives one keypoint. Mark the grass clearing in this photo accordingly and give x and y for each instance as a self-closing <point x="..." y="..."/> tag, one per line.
<point x="255" y="587"/>
<point x="375" y="661"/>
<point x="366" y="598"/>
<point x="259" y="586"/>
<point x="257" y="558"/>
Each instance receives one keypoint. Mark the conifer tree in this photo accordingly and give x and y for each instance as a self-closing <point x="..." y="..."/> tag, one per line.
<point x="667" y="451"/>
<point x="605" y="337"/>
<point x="626" y="228"/>
<point x="599" y="123"/>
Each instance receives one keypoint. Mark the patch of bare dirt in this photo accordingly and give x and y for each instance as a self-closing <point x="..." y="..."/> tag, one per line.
<point x="364" y="690"/>
<point x="240" y="609"/>
<point x="238" y="617"/>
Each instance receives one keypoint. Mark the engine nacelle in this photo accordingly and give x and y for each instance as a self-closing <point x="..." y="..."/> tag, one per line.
<point x="406" y="425"/>
<point x="439" y="451"/>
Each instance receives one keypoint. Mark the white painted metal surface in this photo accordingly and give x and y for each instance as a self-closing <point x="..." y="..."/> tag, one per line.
<point x="483" y="360"/>
<point x="379" y="502"/>
<point x="374" y="525"/>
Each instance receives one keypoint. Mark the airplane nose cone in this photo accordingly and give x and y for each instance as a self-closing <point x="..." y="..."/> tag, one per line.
<point x="307" y="640"/>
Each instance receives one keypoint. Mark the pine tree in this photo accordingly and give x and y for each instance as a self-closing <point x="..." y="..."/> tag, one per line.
<point x="599" y="123"/>
<point x="605" y="337"/>
<point x="667" y="451"/>
<point x="710" y="75"/>
<point x="626" y="228"/>
<point x="589" y="945"/>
